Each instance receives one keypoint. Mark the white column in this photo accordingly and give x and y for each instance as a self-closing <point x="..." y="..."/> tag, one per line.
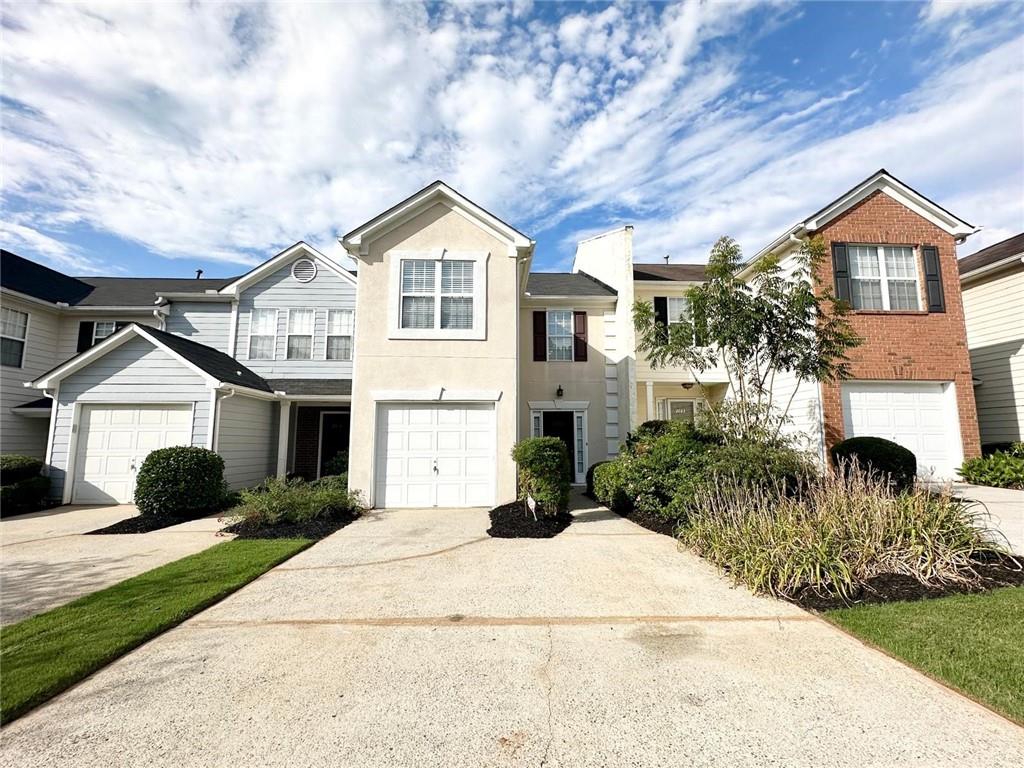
<point x="650" y="401"/>
<point x="282" y="438"/>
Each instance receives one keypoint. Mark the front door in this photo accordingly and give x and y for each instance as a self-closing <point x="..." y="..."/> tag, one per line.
<point x="561" y="424"/>
<point x="333" y="438"/>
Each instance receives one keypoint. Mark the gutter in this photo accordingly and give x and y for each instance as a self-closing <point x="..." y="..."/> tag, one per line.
<point x="982" y="271"/>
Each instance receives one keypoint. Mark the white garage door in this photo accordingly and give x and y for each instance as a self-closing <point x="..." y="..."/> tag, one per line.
<point x="435" y="455"/>
<point x="919" y="416"/>
<point x="113" y="441"/>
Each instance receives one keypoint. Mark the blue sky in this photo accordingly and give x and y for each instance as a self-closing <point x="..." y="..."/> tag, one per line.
<point x="154" y="139"/>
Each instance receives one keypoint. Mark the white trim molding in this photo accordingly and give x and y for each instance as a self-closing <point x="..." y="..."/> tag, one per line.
<point x="477" y="332"/>
<point x="559" y="405"/>
<point x="436" y="395"/>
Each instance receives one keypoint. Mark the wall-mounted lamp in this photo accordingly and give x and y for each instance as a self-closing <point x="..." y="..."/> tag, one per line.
<point x="559" y="392"/>
<point x="687" y="385"/>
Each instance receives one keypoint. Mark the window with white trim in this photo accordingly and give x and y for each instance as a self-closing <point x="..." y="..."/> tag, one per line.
<point x="262" y="334"/>
<point x="300" y="334"/>
<point x="340" y="324"/>
<point x="883" y="277"/>
<point x="437" y="298"/>
<point x="101" y="329"/>
<point x="13" y="332"/>
<point x="678" y="309"/>
<point x="560" y="334"/>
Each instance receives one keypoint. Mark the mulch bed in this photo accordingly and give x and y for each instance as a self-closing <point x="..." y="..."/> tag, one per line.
<point x="650" y="522"/>
<point x="515" y="521"/>
<point x="995" y="572"/>
<point x="145" y="523"/>
<point x="314" y="529"/>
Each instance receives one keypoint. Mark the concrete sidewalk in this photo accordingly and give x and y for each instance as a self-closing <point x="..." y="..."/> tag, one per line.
<point x="1004" y="510"/>
<point x="411" y="638"/>
<point x="46" y="561"/>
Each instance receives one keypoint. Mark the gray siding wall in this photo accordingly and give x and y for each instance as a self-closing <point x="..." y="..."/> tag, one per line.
<point x="19" y="434"/>
<point x="67" y="342"/>
<point x="204" y="322"/>
<point x="247" y="439"/>
<point x="135" y="372"/>
<point x="282" y="292"/>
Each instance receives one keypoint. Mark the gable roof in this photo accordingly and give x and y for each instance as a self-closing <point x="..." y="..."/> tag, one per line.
<point x="565" y="284"/>
<point x="1004" y="250"/>
<point x="32" y="279"/>
<point x="292" y="252"/>
<point x="675" y="272"/>
<point x="215" y="366"/>
<point x="356" y="242"/>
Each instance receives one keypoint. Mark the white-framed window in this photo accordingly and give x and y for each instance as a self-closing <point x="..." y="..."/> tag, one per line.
<point x="884" y="277"/>
<point x="262" y="334"/>
<point x="559" y="322"/>
<point x="13" y="333"/>
<point x="101" y="329"/>
<point x="300" y="334"/>
<point x="678" y="309"/>
<point x="438" y="294"/>
<point x="685" y="410"/>
<point x="340" y="324"/>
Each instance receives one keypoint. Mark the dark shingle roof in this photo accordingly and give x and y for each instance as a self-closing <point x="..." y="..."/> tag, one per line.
<point x="565" y="284"/>
<point x="27" y="277"/>
<point x="1011" y="246"/>
<point x="219" y="365"/>
<point x="142" y="291"/>
<point x="677" y="272"/>
<point x="43" y="403"/>
<point x="312" y="386"/>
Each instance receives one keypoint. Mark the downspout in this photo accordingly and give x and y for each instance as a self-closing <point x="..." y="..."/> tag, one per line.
<point x="216" y="416"/>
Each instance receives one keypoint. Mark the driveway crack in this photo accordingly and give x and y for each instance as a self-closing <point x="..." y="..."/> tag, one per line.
<point x="549" y="684"/>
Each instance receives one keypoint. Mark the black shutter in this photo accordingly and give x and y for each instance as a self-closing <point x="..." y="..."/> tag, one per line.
<point x="540" y="336"/>
<point x="841" y="271"/>
<point x="121" y="324"/>
<point x="85" y="330"/>
<point x="933" y="279"/>
<point x="579" y="336"/>
<point x="661" y="313"/>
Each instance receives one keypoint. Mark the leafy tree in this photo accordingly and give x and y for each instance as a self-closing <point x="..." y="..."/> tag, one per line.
<point x="756" y="328"/>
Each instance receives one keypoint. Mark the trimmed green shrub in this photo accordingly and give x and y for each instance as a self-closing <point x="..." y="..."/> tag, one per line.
<point x="590" y="478"/>
<point x="182" y="481"/>
<point x="610" y="486"/>
<point x="654" y="465"/>
<point x="1002" y="469"/>
<point x="880" y="456"/>
<point x="296" y="501"/>
<point x="15" y="468"/>
<point x="28" y="495"/>
<point x="338" y="482"/>
<point x="544" y="473"/>
<point x="337" y="464"/>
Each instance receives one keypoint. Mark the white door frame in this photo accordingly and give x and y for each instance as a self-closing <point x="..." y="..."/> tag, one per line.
<point x="664" y="405"/>
<point x="320" y="436"/>
<point x="579" y="417"/>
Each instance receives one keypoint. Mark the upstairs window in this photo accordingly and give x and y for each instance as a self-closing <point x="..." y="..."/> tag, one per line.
<point x="300" y="334"/>
<point x="340" y="323"/>
<point x="262" y="334"/>
<point x="13" y="332"/>
<point x="101" y="329"/>
<point x="560" y="334"/>
<point x="437" y="297"/>
<point x="883" y="277"/>
<point x="678" y="310"/>
<point x="457" y="294"/>
<point x="418" y="289"/>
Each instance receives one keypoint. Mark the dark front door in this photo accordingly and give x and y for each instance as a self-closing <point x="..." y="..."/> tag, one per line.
<point x="560" y="424"/>
<point x="333" y="438"/>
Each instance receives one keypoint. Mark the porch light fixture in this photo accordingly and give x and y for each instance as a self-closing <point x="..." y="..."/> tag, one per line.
<point x="559" y="392"/>
<point x="687" y="385"/>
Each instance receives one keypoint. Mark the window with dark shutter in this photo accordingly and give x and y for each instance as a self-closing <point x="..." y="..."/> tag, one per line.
<point x="841" y="271"/>
<point x="540" y="336"/>
<point x="579" y="336"/>
<point x="85" y="330"/>
<point x="933" y="279"/>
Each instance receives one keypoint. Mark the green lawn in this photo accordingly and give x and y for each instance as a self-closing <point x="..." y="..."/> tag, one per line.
<point x="45" y="654"/>
<point x="974" y="643"/>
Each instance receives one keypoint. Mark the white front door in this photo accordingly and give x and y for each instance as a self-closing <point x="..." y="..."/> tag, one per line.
<point x="431" y="455"/>
<point x="920" y="416"/>
<point x="114" y="440"/>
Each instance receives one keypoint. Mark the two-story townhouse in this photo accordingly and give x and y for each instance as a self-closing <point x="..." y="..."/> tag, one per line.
<point x="257" y="367"/>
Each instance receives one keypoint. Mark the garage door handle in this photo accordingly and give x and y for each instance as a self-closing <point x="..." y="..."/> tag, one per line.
<point x="435" y="466"/>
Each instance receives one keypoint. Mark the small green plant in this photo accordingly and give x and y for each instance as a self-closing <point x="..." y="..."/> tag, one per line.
<point x="544" y="473"/>
<point x="1001" y="469"/>
<point x="337" y="464"/>
<point x="877" y="456"/>
<point x="610" y="486"/>
<point x="22" y="489"/>
<point x="183" y="481"/>
<point x="15" y="468"/>
<point x="590" y="478"/>
<point x="296" y="501"/>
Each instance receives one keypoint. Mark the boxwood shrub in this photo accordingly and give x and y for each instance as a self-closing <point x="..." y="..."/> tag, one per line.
<point x="182" y="481"/>
<point x="15" y="468"/>
<point x="1001" y="469"/>
<point x="610" y="486"/>
<point x="28" y="495"/>
<point x="878" y="455"/>
<point x="544" y="473"/>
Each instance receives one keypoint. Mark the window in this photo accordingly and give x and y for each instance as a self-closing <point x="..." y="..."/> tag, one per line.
<point x="339" y="334"/>
<point x="262" y="334"/>
<point x="883" y="277"/>
<point x="560" y="334"/>
<point x="13" y="330"/>
<point x="678" y="309"/>
<point x="101" y="329"/>
<point x="300" y="334"/>
<point x="437" y="298"/>
<point x="683" y="410"/>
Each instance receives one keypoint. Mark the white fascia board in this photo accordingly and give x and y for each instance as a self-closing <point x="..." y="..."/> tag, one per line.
<point x="531" y="300"/>
<point x="256" y="394"/>
<point x="179" y="296"/>
<point x="56" y="306"/>
<point x="273" y="264"/>
<point x="436" y="395"/>
<point x="138" y="309"/>
<point x="49" y="379"/>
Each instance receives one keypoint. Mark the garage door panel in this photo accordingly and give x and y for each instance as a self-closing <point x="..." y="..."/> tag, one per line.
<point x="420" y="441"/>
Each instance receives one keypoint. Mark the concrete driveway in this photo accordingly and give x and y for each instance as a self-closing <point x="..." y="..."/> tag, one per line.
<point x="1003" y="509"/>
<point x="412" y="639"/>
<point x="46" y="561"/>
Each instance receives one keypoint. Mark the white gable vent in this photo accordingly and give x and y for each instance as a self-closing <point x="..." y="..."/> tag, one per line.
<point x="304" y="270"/>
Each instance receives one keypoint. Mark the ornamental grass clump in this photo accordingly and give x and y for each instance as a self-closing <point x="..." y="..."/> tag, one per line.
<point x="297" y="502"/>
<point x="836" y="534"/>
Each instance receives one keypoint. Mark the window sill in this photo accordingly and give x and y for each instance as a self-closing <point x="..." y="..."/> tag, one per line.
<point x="911" y="312"/>
<point x="434" y="334"/>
